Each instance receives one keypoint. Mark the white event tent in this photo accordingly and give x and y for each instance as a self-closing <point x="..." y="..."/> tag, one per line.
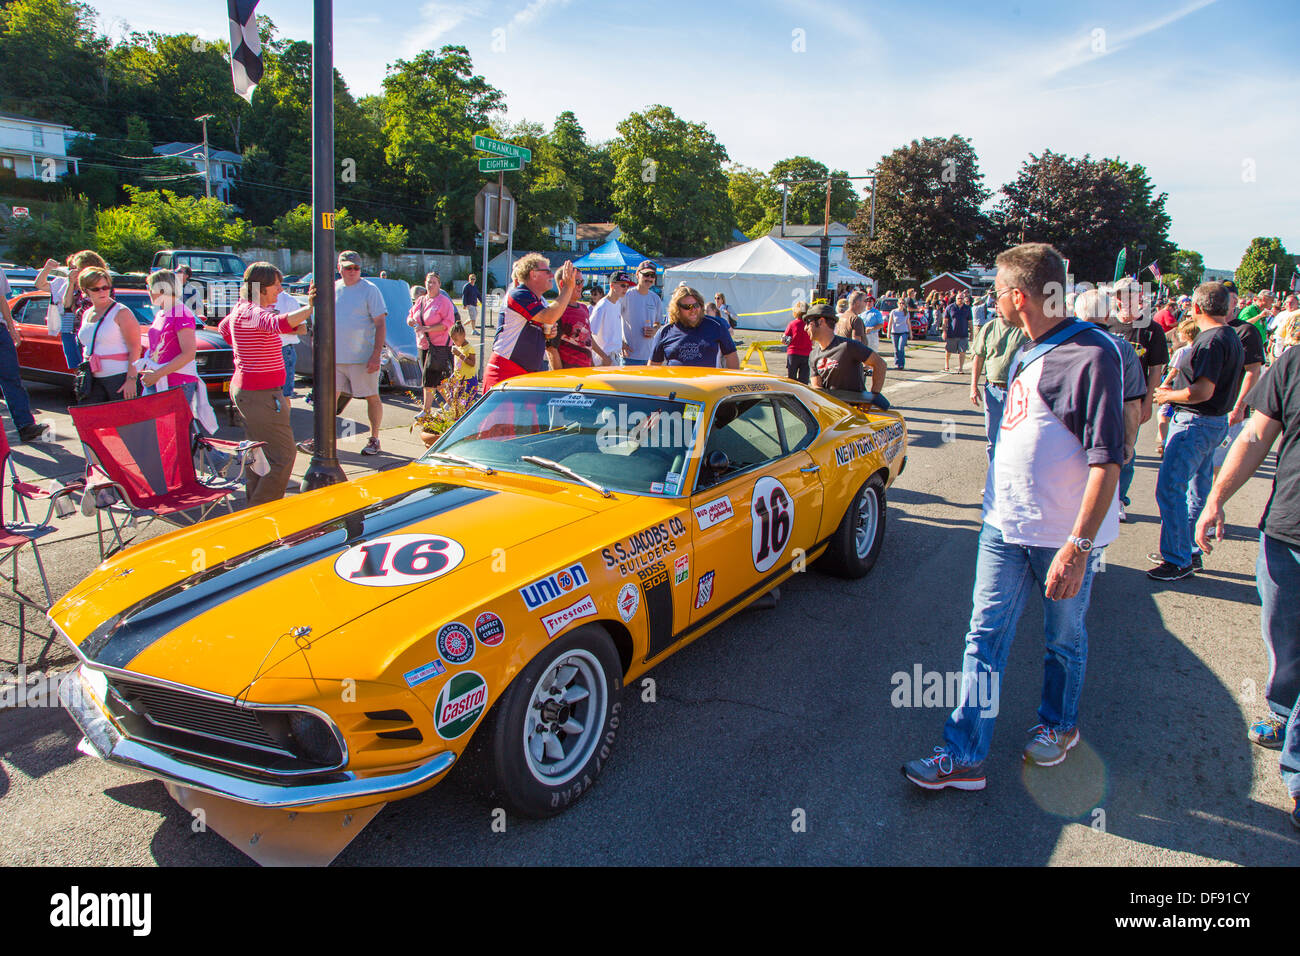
<point x="761" y="279"/>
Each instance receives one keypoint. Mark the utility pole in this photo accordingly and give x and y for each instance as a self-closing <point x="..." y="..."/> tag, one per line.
<point x="823" y="270"/>
<point x="207" y="164"/>
<point x="324" y="468"/>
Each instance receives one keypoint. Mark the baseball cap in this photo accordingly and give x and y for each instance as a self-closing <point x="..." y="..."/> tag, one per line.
<point x="350" y="257"/>
<point x="1230" y="285"/>
<point x="821" y="312"/>
<point x="621" y="277"/>
<point x="648" y="266"/>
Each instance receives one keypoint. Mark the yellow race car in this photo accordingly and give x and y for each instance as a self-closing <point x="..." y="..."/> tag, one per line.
<point x="343" y="648"/>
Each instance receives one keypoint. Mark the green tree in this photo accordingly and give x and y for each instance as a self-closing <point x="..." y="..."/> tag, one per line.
<point x="928" y="218"/>
<point x="293" y="230"/>
<point x="543" y="189"/>
<point x="51" y="59"/>
<point x="189" y="221"/>
<point x="670" y="190"/>
<point x="434" y="104"/>
<point x="126" y="238"/>
<point x="1089" y="209"/>
<point x="1185" y="269"/>
<point x="806" y="201"/>
<point x="748" y="188"/>
<point x="51" y="234"/>
<point x="1256" y="269"/>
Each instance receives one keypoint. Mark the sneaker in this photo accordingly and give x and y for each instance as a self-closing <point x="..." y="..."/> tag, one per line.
<point x="1160" y="450"/>
<point x="1164" y="571"/>
<point x="1198" y="563"/>
<point x="32" y="432"/>
<point x="1295" y="814"/>
<point x="937" y="772"/>
<point x="372" y="446"/>
<point x="1048" y="747"/>
<point x="307" y="447"/>
<point x="1123" y="515"/>
<point x="1268" y="731"/>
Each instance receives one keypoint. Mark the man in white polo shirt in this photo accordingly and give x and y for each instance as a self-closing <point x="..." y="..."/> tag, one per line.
<point x="359" y="314"/>
<point x="1049" y="500"/>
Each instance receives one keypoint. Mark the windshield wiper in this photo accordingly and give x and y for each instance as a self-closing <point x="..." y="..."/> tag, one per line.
<point x="566" y="470"/>
<point x="463" y="461"/>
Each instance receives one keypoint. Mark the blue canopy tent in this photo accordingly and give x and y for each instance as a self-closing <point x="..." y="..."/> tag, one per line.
<point x="610" y="256"/>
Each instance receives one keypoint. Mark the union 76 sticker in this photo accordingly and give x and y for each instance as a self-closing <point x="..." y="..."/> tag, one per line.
<point x="398" y="560"/>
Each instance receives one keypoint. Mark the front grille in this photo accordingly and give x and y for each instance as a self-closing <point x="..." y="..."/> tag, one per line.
<point x="216" y="362"/>
<point x="178" y="710"/>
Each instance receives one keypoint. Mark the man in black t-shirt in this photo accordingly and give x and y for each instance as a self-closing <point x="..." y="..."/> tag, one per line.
<point x="1148" y="340"/>
<point x="836" y="362"/>
<point x="1199" y="425"/>
<point x="1253" y="345"/>
<point x="1276" y="400"/>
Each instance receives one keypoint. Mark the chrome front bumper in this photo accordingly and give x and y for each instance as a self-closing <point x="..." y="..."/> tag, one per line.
<point x="105" y="741"/>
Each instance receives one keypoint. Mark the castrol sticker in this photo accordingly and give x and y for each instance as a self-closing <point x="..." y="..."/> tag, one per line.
<point x="460" y="703"/>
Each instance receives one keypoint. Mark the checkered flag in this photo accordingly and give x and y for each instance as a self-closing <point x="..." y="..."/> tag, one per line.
<point x="245" y="47"/>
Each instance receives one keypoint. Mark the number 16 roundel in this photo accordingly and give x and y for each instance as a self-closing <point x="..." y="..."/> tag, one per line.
<point x="398" y="559"/>
<point x="771" y="514"/>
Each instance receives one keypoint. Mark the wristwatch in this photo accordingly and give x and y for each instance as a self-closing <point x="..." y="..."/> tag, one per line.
<point x="1083" y="544"/>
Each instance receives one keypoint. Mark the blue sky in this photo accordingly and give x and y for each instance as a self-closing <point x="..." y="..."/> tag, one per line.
<point x="1201" y="92"/>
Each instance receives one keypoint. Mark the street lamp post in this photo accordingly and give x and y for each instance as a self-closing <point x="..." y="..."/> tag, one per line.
<point x="207" y="163"/>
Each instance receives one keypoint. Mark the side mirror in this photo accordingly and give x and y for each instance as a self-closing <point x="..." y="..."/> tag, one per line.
<point x="718" y="461"/>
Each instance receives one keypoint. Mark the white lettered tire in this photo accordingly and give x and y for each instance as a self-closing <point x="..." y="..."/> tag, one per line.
<point x="553" y="730"/>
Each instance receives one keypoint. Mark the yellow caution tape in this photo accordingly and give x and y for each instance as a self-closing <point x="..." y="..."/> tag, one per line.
<point x="773" y="312"/>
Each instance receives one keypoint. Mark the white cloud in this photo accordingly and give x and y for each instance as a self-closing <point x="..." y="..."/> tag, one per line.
<point x="1082" y="49"/>
<point x="437" y="19"/>
<point x="531" y="13"/>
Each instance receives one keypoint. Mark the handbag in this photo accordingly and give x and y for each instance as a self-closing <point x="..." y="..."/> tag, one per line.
<point x="85" y="377"/>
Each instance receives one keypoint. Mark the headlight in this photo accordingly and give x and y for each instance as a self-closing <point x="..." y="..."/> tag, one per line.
<point x="313" y="739"/>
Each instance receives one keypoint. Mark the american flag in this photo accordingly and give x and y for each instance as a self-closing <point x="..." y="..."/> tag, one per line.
<point x="245" y="47"/>
<point x="1155" y="270"/>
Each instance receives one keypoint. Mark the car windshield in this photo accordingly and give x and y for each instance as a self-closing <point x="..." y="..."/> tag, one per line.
<point x="211" y="263"/>
<point x="635" y="443"/>
<point x="139" y="305"/>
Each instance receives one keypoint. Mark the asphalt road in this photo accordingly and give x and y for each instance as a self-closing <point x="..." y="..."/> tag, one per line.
<point x="784" y="716"/>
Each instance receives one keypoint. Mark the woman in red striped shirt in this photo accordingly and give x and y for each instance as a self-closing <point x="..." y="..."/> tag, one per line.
<point x="254" y="330"/>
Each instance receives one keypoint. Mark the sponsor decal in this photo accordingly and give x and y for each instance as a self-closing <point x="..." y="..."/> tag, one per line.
<point x="656" y="487"/>
<point x="691" y="412"/>
<point x="425" y="672"/>
<point x="704" y="593"/>
<point x="889" y="438"/>
<point x="559" y="620"/>
<point x="461" y="702"/>
<point x="553" y="586"/>
<point x="455" y="643"/>
<point x="681" y="569"/>
<point x="771" y="513"/>
<point x="658" y="607"/>
<point x="573" y="398"/>
<point x="672" y="481"/>
<point x="713" y="512"/>
<point x="645" y="547"/>
<point x="398" y="560"/>
<point x="489" y="630"/>
<point x="748" y="387"/>
<point x="629" y="599"/>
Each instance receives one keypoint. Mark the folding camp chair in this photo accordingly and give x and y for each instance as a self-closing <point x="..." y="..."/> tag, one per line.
<point x="140" y="464"/>
<point x="13" y="537"/>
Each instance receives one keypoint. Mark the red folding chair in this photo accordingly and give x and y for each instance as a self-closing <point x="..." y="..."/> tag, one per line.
<point x="14" y="537"/>
<point x="139" y="459"/>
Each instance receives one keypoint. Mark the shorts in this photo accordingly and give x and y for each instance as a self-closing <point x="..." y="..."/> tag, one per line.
<point x="435" y="364"/>
<point x="956" y="345"/>
<point x="354" y="380"/>
<point x="1166" y="411"/>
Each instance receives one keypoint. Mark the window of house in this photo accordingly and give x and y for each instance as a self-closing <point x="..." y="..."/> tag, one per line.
<point x="38" y="137"/>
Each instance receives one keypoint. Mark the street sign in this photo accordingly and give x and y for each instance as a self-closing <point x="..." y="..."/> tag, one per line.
<point x="491" y="190"/>
<point x="21" y="212"/>
<point x="489" y="145"/>
<point x="499" y="164"/>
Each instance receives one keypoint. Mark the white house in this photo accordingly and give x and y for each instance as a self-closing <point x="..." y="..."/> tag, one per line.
<point x="224" y="166"/>
<point x="34" y="148"/>
<point x="582" y="237"/>
<point x="811" y="237"/>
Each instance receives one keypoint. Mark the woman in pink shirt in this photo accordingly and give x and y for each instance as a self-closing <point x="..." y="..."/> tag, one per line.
<point x="254" y="330"/>
<point x="432" y="315"/>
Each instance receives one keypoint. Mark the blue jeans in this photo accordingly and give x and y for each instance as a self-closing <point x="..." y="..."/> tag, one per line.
<point x="71" y="350"/>
<point x="1004" y="575"/>
<point x="1186" y="474"/>
<point x="1277" y="576"/>
<point x="11" y="383"/>
<point x="632" y="361"/>
<point x="1126" y="472"/>
<point x="900" y="349"/>
<point x="994" y="400"/>
<point x="290" y="367"/>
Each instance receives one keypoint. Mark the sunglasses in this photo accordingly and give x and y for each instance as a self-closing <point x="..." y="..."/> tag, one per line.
<point x="101" y="288"/>
<point x="646" y="275"/>
<point x="688" y="306"/>
<point x="349" y="268"/>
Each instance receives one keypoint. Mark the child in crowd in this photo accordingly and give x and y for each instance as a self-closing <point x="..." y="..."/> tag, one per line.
<point x="1178" y="376"/>
<point x="463" y="355"/>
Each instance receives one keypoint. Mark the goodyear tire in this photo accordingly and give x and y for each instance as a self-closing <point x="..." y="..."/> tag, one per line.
<point x="856" y="544"/>
<point x="552" y="732"/>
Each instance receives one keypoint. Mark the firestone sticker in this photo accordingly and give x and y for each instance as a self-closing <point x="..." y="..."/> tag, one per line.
<point x="489" y="630"/>
<point x="704" y="593"/>
<point x="455" y="643"/>
<point x="629" y="599"/>
<point x="398" y="560"/>
<point x="713" y="512"/>
<point x="461" y="702"/>
<point x="558" y="621"/>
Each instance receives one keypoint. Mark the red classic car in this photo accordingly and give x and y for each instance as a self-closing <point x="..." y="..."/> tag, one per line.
<point x="40" y="356"/>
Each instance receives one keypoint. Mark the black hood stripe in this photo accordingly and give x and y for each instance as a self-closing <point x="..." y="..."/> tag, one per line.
<point x="122" y="637"/>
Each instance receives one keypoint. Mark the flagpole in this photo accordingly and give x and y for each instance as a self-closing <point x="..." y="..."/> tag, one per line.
<point x="324" y="467"/>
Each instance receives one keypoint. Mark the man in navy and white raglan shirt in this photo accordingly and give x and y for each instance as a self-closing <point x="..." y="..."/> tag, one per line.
<point x="1049" y="505"/>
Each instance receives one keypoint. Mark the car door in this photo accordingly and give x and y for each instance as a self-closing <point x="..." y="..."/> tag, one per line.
<point x="39" y="350"/>
<point x="759" y="515"/>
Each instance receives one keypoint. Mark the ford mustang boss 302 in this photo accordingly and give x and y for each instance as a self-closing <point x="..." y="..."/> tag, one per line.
<point x="317" y="657"/>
